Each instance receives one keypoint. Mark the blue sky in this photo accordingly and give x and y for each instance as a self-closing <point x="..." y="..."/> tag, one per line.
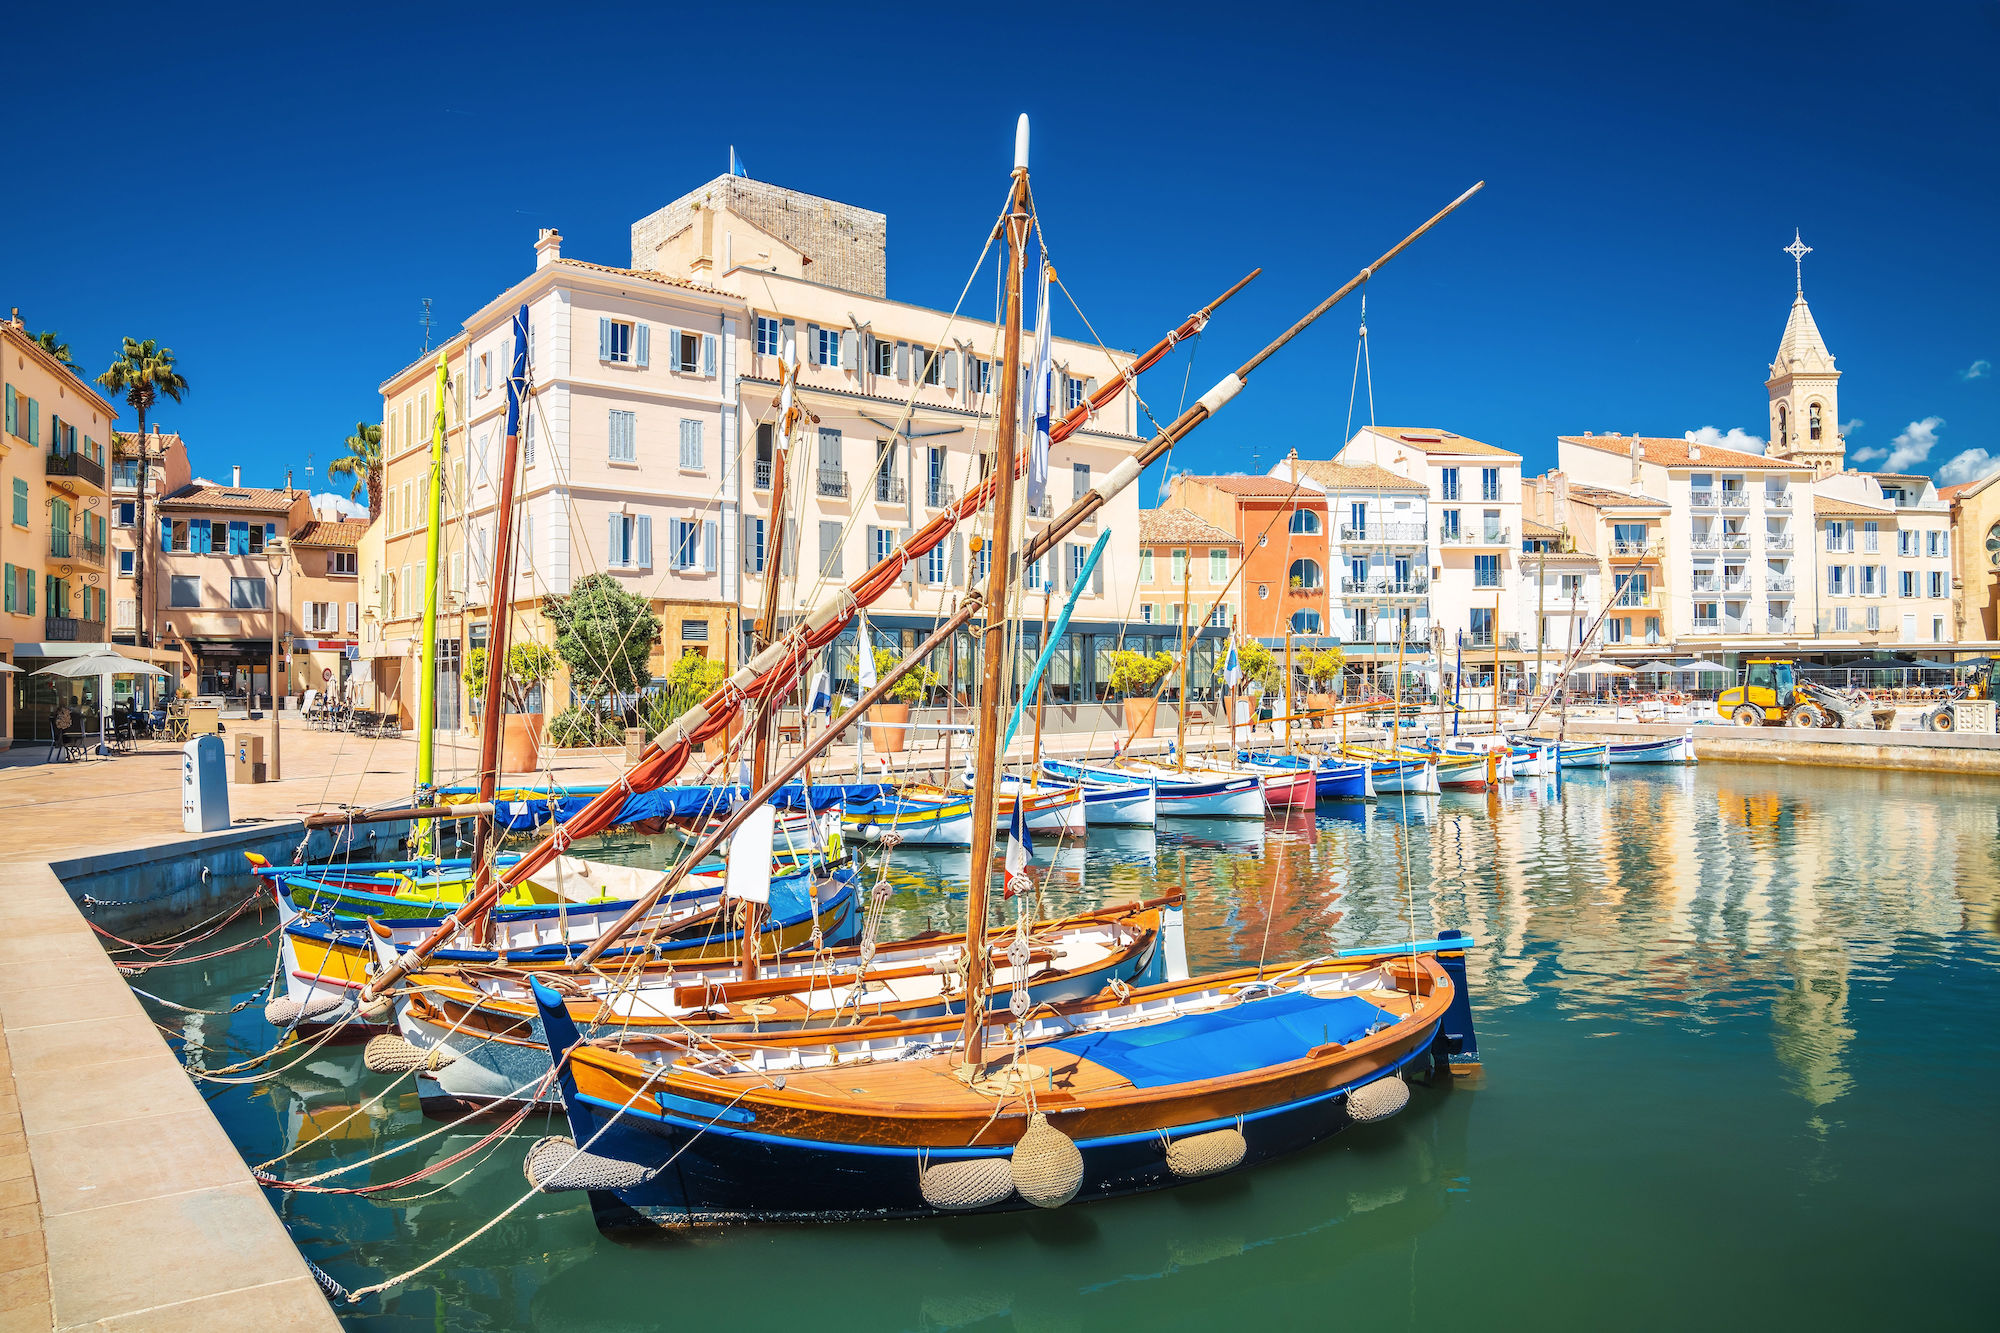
<point x="273" y="194"/>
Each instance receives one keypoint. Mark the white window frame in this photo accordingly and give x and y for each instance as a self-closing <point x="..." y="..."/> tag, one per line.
<point x="770" y="336"/>
<point x="622" y="356"/>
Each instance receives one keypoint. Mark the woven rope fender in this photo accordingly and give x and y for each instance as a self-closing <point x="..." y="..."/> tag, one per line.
<point x="1378" y="1100"/>
<point x="387" y="1053"/>
<point x="957" y="1187"/>
<point x="1206" y="1154"/>
<point x="377" y="1010"/>
<point x="1046" y="1165"/>
<point x="553" y="1164"/>
<point x="283" y="1011"/>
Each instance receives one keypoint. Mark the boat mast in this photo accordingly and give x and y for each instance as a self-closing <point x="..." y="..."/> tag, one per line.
<point x="987" y="734"/>
<point x="427" y="652"/>
<point x="1396" y="722"/>
<point x="1496" y="666"/>
<point x="1041" y="685"/>
<point x="750" y="914"/>
<point x="1286" y="702"/>
<point x="499" y="597"/>
<point x="1180" y="724"/>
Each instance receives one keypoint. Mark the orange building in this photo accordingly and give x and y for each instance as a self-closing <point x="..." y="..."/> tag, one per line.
<point x="1285" y="552"/>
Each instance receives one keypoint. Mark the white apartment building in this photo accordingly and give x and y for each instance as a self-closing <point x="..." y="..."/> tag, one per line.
<point x="1379" y="538"/>
<point x="1472" y="493"/>
<point x="1885" y="559"/>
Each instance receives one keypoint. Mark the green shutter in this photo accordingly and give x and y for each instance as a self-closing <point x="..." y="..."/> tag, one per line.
<point x="33" y="435"/>
<point x="21" y="501"/>
<point x="10" y="589"/>
<point x="30" y="581"/>
<point x="13" y="412"/>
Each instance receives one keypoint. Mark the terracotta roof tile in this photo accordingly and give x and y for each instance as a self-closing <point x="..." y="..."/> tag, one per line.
<point x="1181" y="525"/>
<point x="1827" y="504"/>
<point x="1430" y="440"/>
<point x="1532" y="528"/>
<point x="260" y="499"/>
<point x="1355" y="476"/>
<point x="1602" y="497"/>
<point x="1259" y="487"/>
<point x="343" y="533"/>
<point x="643" y="275"/>
<point x="1669" y="452"/>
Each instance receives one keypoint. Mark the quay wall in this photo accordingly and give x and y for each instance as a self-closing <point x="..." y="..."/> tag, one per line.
<point x="1906" y="751"/>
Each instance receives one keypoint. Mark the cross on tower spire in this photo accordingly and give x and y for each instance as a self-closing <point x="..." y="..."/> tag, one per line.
<point x="1798" y="250"/>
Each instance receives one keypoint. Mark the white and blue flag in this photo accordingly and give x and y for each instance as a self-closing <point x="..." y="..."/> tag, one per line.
<point x="822" y="696"/>
<point x="1044" y="393"/>
<point x="1232" y="670"/>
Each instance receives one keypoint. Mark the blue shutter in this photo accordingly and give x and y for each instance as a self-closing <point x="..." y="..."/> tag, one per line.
<point x="642" y="344"/>
<point x="614" y="551"/>
<point x="166" y="534"/>
<point x="643" y="529"/>
<point x="239" y="537"/>
<point x="708" y="354"/>
<point x="603" y="339"/>
<point x="708" y="547"/>
<point x="812" y="344"/>
<point x="270" y="535"/>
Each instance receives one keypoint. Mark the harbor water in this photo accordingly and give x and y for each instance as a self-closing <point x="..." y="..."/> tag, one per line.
<point x="1741" y="1032"/>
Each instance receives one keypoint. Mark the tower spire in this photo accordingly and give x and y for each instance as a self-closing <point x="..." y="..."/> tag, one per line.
<point x="1798" y="250"/>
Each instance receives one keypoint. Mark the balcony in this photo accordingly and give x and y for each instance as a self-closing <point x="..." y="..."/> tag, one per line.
<point x="1046" y="509"/>
<point x="1779" y="625"/>
<point x="89" y="549"/>
<point x="1778" y="583"/>
<point x="85" y="470"/>
<point x="1702" y="499"/>
<point x="1708" y="624"/>
<point x="1477" y="537"/>
<point x="1780" y="500"/>
<point x="1736" y="583"/>
<point x="1642" y="600"/>
<point x="1410" y="587"/>
<point x="1736" y="625"/>
<point x="1636" y="550"/>
<point x="1777" y="541"/>
<point x="833" y="481"/>
<point x="1735" y="541"/>
<point x="68" y="629"/>
<point x="1385" y="534"/>
<point x="938" y="494"/>
<point x="1705" y="541"/>
<point x="1736" y="499"/>
<point x="1509" y="642"/>
<point x="891" y="490"/>
<point x="763" y="474"/>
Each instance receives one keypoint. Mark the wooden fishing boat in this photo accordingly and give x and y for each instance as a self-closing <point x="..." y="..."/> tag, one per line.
<point x="1584" y="756"/>
<point x="482" y="1023"/>
<point x="1393" y="776"/>
<point x="1133" y="806"/>
<point x="1672" y="750"/>
<point x="1178" y="793"/>
<point x="327" y="960"/>
<point x="1048" y="808"/>
<point x="1115" y="1095"/>
<point x="1333" y="779"/>
<point x="914" y="822"/>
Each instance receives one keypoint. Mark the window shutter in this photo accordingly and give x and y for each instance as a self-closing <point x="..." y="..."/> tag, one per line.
<point x="642" y="345"/>
<point x="789" y="331"/>
<point x="166" y="534"/>
<point x="13" y="428"/>
<point x="270" y="535"/>
<point x="9" y="570"/>
<point x="708" y="354"/>
<point x="1097" y="579"/>
<point x="790" y="564"/>
<point x="829" y="550"/>
<point x="951" y="369"/>
<point x="811" y="351"/>
<point x="902" y="361"/>
<point x="643" y="528"/>
<point x="614" y="550"/>
<point x="34" y="435"/>
<point x="708" y="536"/>
<point x="1089" y="389"/>
<point x="603" y="338"/>
<point x="868" y="352"/>
<point x="957" y="559"/>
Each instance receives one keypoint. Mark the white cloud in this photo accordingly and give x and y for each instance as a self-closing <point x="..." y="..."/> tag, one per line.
<point x="1869" y="455"/>
<point x="340" y="505"/>
<point x="1968" y="466"/>
<point x="1847" y="428"/>
<point x="1914" y="445"/>
<point x="1742" y="441"/>
<point x="1981" y="369"/>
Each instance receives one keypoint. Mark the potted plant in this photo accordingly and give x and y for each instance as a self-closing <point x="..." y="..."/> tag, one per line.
<point x="529" y="666"/>
<point x="689" y="681"/>
<point x="1321" y="667"/>
<point x="891" y="732"/>
<point x="1134" y="677"/>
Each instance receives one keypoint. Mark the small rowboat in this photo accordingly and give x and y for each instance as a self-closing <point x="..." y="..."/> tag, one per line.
<point x="1410" y="777"/>
<point x="1135" y="805"/>
<point x="1333" y="779"/>
<point x="1672" y="750"/>
<point x="917" y="823"/>
<point x="1463" y="772"/>
<point x="1180" y="793"/>
<point x="1585" y="756"/>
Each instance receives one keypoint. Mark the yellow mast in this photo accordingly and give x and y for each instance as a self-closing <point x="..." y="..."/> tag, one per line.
<point x="427" y="649"/>
<point x="1180" y="740"/>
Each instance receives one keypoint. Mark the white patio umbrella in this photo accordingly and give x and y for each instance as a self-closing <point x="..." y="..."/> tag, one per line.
<point x="104" y="666"/>
<point x="1602" y="669"/>
<point x="1698" y="665"/>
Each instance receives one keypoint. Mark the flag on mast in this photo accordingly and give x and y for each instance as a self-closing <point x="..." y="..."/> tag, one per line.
<point x="1020" y="849"/>
<point x="1232" y="670"/>
<point x="1038" y="454"/>
<point x="865" y="669"/>
<point x="822" y="696"/>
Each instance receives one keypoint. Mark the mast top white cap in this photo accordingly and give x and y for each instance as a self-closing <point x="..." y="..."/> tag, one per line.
<point x="1021" y="143"/>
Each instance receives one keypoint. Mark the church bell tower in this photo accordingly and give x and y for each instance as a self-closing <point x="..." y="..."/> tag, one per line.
<point x="1804" y="387"/>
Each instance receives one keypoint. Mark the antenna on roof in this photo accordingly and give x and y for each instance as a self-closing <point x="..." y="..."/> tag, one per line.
<point x="426" y="321"/>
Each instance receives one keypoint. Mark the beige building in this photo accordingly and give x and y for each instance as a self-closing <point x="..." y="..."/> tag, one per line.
<point x="54" y="591"/>
<point x="1185" y="559"/>
<point x="1884" y="551"/>
<point x="223" y="570"/>
<point x="1975" y="527"/>
<point x="323" y="604"/>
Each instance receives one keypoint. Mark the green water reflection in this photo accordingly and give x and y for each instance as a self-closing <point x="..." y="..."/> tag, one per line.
<point x="1741" y="1068"/>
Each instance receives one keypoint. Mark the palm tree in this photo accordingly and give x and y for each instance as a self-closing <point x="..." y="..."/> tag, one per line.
<point x="53" y="344"/>
<point x="143" y="372"/>
<point x="363" y="463"/>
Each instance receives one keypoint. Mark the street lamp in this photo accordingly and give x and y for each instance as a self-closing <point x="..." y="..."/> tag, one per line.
<point x="275" y="558"/>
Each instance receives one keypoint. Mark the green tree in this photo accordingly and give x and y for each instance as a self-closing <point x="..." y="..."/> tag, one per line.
<point x="52" y="343"/>
<point x="528" y="665"/>
<point x="605" y="634"/>
<point x="1135" y="673"/>
<point x="689" y="681"/>
<point x="1261" y="667"/>
<point x="912" y="685"/>
<point x="144" y="373"/>
<point x="362" y="464"/>
<point x="1322" y="666"/>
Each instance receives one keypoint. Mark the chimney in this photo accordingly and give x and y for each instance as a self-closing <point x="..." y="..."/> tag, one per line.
<point x="236" y="476"/>
<point x="1694" y="453"/>
<point x="1638" y="455"/>
<point x="548" y="247"/>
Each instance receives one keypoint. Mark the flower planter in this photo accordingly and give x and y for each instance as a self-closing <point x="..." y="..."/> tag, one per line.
<point x="521" y="742"/>
<point x="889" y="740"/>
<point x="1140" y="715"/>
<point x="1318" y="705"/>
